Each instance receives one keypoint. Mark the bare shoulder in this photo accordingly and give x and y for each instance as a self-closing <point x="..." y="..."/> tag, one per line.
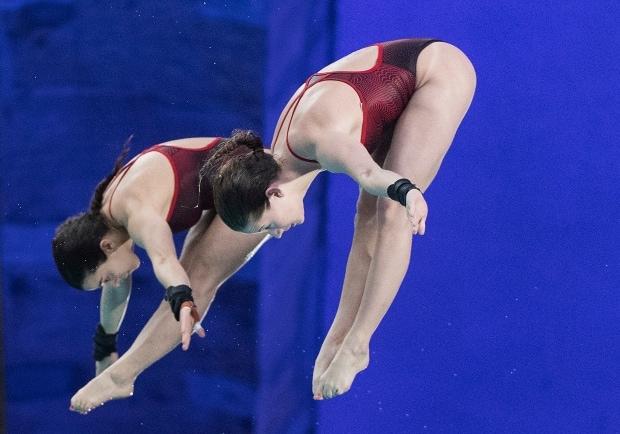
<point x="190" y="142"/>
<point x="329" y="106"/>
<point x="149" y="182"/>
<point x="446" y="62"/>
<point x="327" y="109"/>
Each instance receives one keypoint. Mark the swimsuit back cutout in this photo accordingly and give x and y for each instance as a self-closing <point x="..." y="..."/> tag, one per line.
<point x="384" y="91"/>
<point x="192" y="195"/>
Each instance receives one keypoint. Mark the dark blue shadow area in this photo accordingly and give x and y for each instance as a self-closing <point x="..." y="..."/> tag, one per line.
<point x="77" y="79"/>
<point x="48" y="331"/>
<point x="507" y="321"/>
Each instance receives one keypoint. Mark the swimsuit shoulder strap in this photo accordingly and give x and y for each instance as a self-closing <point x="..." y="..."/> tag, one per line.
<point x="121" y="174"/>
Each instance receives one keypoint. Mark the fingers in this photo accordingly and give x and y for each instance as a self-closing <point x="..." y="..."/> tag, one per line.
<point x="197" y="326"/>
<point x="199" y="330"/>
<point x="422" y="228"/>
<point x="414" y="227"/>
<point x="186" y="321"/>
<point x="418" y="222"/>
<point x="190" y="322"/>
<point x="414" y="221"/>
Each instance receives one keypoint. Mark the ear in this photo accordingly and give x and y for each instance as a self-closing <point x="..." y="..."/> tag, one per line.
<point x="107" y="245"/>
<point x="272" y="190"/>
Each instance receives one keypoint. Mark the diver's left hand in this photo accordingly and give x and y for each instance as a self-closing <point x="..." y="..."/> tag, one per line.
<point x="417" y="210"/>
<point x="190" y="322"/>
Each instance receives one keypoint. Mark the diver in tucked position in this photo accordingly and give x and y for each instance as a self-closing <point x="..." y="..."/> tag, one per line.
<point x="386" y="116"/>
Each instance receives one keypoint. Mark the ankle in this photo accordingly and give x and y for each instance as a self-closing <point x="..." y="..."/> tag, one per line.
<point x="120" y="377"/>
<point x="355" y="345"/>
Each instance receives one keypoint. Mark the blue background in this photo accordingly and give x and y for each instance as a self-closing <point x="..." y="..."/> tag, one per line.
<point x="508" y="318"/>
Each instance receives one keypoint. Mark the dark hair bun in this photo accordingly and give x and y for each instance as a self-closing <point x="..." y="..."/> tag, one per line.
<point x="239" y="172"/>
<point x="246" y="138"/>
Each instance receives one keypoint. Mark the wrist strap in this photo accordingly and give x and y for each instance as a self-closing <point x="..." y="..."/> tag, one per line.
<point x="104" y="343"/>
<point x="398" y="191"/>
<point x="176" y="296"/>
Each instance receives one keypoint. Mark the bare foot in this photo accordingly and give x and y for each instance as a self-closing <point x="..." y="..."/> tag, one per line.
<point x="100" y="390"/>
<point x="325" y="357"/>
<point x="337" y="379"/>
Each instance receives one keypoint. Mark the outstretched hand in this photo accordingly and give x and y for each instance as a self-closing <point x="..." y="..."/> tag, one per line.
<point x="417" y="210"/>
<point x="190" y="322"/>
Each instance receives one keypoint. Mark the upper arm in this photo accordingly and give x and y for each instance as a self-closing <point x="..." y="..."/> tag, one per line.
<point x="151" y="231"/>
<point x="330" y="143"/>
<point x="339" y="154"/>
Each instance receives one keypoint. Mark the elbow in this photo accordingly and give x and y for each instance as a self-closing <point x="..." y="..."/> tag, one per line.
<point x="366" y="178"/>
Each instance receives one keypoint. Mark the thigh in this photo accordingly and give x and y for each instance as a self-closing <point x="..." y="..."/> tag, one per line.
<point x="193" y="237"/>
<point x="213" y="251"/>
<point x="426" y="128"/>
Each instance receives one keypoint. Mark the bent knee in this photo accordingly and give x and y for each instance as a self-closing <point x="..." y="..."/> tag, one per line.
<point x="366" y="210"/>
<point x="366" y="217"/>
<point x="365" y="222"/>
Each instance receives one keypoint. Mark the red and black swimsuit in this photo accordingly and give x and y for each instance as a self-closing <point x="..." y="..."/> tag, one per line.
<point x="384" y="90"/>
<point x="192" y="195"/>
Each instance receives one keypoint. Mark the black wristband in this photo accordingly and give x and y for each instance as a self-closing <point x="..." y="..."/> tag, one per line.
<point x="176" y="296"/>
<point x="105" y="343"/>
<point x="398" y="191"/>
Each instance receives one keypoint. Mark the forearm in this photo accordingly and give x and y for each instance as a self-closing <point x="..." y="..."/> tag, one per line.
<point x="113" y="306"/>
<point x="169" y="272"/>
<point x="351" y="159"/>
<point x="149" y="230"/>
<point x="377" y="180"/>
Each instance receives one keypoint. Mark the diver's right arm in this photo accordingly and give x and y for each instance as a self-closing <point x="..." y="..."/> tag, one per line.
<point x="151" y="231"/>
<point x="112" y="308"/>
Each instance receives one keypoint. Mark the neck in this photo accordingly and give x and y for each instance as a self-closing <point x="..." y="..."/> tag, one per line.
<point x="296" y="181"/>
<point x="119" y="235"/>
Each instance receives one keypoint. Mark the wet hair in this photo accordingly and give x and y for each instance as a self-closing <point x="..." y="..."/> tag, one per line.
<point x="239" y="172"/>
<point x="75" y="245"/>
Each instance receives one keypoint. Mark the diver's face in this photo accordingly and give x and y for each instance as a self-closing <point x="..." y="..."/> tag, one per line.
<point x="284" y="212"/>
<point x="118" y="266"/>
